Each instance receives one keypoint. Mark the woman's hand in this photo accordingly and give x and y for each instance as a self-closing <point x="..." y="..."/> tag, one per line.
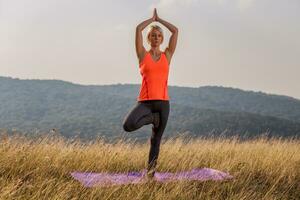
<point x="154" y="17"/>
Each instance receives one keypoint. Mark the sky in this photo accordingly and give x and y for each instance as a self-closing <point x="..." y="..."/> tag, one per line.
<point x="253" y="45"/>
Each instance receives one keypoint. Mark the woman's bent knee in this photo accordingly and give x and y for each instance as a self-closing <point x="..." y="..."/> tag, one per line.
<point x="127" y="128"/>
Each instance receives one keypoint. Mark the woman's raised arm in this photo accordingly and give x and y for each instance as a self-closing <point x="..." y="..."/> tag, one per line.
<point x="140" y="49"/>
<point x="173" y="39"/>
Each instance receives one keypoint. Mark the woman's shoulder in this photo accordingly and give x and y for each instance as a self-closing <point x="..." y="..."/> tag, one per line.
<point x="167" y="52"/>
<point x="168" y="55"/>
<point x="143" y="56"/>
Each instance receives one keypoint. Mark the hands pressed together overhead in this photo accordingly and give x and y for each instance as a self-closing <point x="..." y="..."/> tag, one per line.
<point x="155" y="16"/>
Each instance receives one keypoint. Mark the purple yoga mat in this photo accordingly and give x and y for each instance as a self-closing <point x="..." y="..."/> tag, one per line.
<point x="90" y="179"/>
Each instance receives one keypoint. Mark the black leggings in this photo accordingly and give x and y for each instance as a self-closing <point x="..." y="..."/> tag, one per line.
<point x="142" y="114"/>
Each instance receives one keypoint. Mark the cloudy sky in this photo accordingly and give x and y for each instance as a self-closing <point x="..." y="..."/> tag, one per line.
<point x="247" y="44"/>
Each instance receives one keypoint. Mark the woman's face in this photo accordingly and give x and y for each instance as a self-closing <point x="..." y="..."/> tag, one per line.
<point x="155" y="38"/>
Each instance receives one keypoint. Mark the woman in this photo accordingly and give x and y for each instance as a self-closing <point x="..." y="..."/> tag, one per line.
<point x="153" y="101"/>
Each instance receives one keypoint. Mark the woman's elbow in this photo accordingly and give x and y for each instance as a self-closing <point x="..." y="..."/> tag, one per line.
<point x="138" y="28"/>
<point x="175" y="30"/>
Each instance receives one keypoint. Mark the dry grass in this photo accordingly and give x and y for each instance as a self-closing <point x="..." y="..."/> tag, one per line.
<point x="40" y="169"/>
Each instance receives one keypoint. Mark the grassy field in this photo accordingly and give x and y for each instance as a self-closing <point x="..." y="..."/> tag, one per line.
<point x="40" y="168"/>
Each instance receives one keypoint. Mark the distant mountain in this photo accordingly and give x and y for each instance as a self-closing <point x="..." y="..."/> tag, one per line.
<point x="89" y="111"/>
<point x="223" y="98"/>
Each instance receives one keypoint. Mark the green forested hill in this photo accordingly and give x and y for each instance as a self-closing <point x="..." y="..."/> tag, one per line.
<point x="223" y="98"/>
<point x="41" y="105"/>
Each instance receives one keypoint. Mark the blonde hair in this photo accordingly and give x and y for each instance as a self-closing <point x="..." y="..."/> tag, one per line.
<point x="156" y="27"/>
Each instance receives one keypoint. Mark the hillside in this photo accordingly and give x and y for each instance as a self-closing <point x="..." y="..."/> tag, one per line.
<point x="223" y="98"/>
<point x="41" y="105"/>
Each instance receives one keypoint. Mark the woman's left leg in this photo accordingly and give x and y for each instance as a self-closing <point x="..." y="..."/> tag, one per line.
<point x="163" y="108"/>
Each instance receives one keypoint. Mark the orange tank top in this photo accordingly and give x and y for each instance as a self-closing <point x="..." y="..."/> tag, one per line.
<point x="155" y="78"/>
